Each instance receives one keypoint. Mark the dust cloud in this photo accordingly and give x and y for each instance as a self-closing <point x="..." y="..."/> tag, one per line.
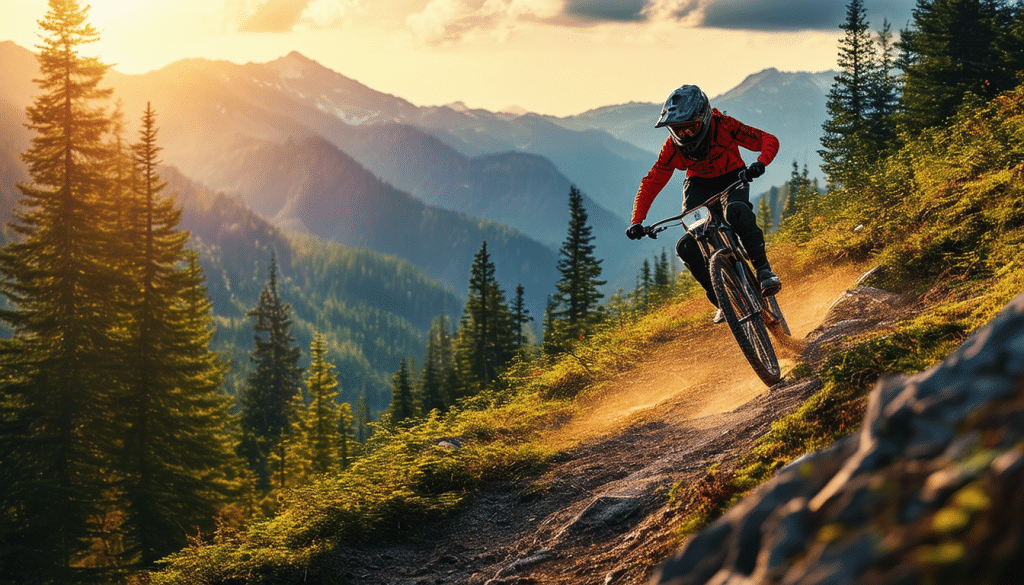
<point x="702" y="372"/>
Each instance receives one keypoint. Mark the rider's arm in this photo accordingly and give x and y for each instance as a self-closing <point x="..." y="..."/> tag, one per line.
<point x="756" y="140"/>
<point x="654" y="182"/>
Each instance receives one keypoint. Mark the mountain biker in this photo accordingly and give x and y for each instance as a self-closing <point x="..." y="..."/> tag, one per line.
<point x="705" y="143"/>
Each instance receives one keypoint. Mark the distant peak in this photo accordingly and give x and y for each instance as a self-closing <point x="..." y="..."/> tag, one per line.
<point x="770" y="75"/>
<point x="515" y="111"/>
<point x="458" y="106"/>
<point x="297" y="56"/>
<point x="296" y="59"/>
<point x="295" y="65"/>
<point x="762" y="75"/>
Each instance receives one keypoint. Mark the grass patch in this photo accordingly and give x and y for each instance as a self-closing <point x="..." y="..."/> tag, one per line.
<point x="406" y="480"/>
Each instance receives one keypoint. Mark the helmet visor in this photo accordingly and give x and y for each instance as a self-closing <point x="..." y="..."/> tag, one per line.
<point x="686" y="130"/>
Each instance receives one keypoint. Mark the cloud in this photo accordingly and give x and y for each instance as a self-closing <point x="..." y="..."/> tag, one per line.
<point x="687" y="11"/>
<point x="606" y="10"/>
<point x="327" y="13"/>
<point x="274" y="16"/>
<point x="287" y="15"/>
<point x="449" y="21"/>
<point x="775" y="15"/>
<point x="793" y="15"/>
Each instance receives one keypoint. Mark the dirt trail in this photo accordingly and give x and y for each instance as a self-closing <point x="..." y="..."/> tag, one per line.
<point x="598" y="514"/>
<point x="701" y="371"/>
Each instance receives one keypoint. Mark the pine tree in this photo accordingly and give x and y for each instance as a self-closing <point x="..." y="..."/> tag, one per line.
<point x="267" y="398"/>
<point x="846" y="142"/>
<point x="288" y="461"/>
<point x="348" y="448"/>
<point x="1011" y="39"/>
<point x="122" y="181"/>
<point x="619" y="307"/>
<point x="520" y="319"/>
<point x="403" y="406"/>
<point x="429" y="392"/>
<point x="666" y="264"/>
<point x="59" y="279"/>
<point x="485" y="343"/>
<point x="445" y="339"/>
<point x="662" y="277"/>
<point x="644" y="284"/>
<point x="321" y="433"/>
<point x="578" y="296"/>
<point x="764" y="214"/>
<point x="801" y="203"/>
<point x="777" y="203"/>
<point x="433" y="392"/>
<point x="172" y="379"/>
<point x="361" y="419"/>
<point x="884" y="93"/>
<point x="957" y="50"/>
<point x="552" y="342"/>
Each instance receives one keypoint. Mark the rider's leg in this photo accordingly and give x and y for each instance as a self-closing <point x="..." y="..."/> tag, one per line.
<point x="740" y="215"/>
<point x="689" y="252"/>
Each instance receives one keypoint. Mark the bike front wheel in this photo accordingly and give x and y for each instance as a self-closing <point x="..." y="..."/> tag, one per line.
<point x="741" y="304"/>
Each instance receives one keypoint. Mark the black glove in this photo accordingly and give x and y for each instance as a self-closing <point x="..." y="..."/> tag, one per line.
<point x="755" y="170"/>
<point x="635" y="232"/>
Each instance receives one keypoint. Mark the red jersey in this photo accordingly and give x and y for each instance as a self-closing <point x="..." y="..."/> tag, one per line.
<point x="727" y="135"/>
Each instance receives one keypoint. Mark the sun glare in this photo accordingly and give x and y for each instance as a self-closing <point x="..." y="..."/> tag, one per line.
<point x="103" y="11"/>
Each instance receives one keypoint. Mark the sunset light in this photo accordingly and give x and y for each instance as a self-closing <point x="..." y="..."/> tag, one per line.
<point x="554" y="292"/>
<point x="549" y="56"/>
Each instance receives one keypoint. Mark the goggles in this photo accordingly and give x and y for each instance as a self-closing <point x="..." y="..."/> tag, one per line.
<point x="686" y="130"/>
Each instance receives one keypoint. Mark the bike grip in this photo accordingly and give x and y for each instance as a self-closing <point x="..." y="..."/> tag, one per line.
<point x="651" y="233"/>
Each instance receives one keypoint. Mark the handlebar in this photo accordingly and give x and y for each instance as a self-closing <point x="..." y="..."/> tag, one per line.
<point x="657" y="227"/>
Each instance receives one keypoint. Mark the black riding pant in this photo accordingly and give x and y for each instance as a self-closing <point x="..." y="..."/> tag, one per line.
<point x="739" y="214"/>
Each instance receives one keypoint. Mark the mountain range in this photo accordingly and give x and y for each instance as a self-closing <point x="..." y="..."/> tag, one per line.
<point x="206" y="105"/>
<point x="290" y="147"/>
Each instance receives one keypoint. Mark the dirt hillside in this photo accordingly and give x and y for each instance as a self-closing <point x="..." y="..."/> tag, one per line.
<point x="598" y="514"/>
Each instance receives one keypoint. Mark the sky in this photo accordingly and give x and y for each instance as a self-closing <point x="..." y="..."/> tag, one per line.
<point x="557" y="57"/>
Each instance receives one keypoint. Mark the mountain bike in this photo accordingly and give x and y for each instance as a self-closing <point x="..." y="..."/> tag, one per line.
<point x="748" y="313"/>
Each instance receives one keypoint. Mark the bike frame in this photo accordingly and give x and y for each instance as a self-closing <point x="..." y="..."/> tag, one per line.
<point x="713" y="232"/>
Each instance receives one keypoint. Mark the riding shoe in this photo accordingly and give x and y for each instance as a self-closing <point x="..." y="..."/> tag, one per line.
<point x="770" y="283"/>
<point x="719" y="317"/>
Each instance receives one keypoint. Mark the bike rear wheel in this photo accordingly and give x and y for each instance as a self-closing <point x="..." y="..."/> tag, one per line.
<point x="741" y="304"/>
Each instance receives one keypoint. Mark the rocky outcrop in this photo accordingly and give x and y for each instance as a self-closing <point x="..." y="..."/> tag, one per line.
<point x="856" y="310"/>
<point x="930" y="490"/>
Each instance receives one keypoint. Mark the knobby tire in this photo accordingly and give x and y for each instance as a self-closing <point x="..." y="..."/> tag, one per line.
<point x="741" y="306"/>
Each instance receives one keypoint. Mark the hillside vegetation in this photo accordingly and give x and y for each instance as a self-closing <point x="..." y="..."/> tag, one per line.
<point x="943" y="216"/>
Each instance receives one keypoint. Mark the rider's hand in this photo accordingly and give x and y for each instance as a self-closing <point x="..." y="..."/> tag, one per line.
<point x="635" y="232"/>
<point x="755" y="170"/>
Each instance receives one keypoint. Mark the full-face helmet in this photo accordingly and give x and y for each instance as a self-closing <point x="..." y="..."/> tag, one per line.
<point x="687" y="115"/>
